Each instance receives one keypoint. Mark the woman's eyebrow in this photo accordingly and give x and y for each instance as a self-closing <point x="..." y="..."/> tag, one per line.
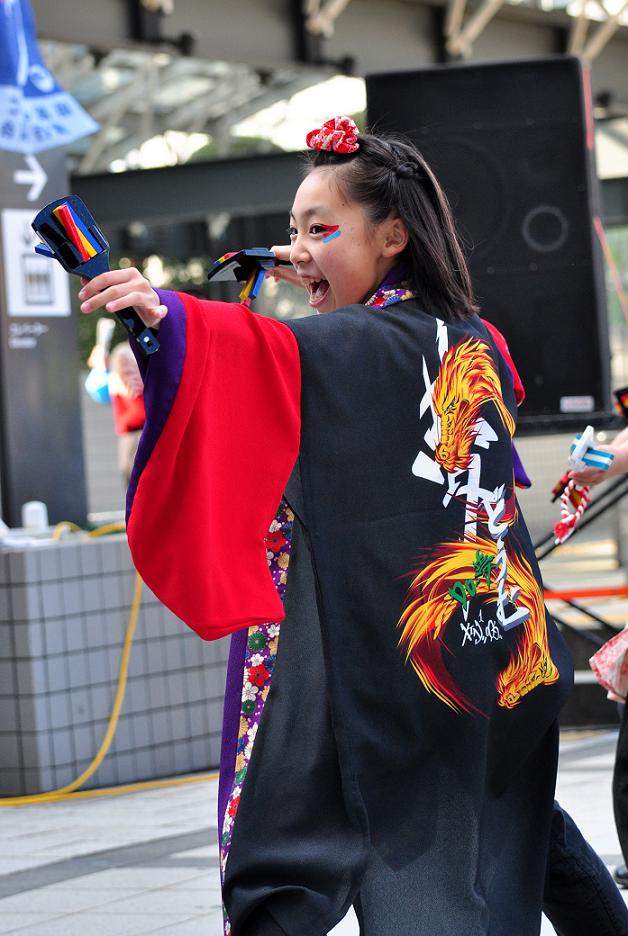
<point x="317" y="209"/>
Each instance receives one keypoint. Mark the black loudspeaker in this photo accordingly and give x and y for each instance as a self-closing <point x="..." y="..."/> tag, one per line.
<point x="512" y="145"/>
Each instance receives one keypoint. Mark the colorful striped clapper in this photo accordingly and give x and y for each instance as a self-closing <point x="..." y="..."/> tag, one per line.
<point x="69" y="234"/>
<point x="248" y="267"/>
<point x="583" y="455"/>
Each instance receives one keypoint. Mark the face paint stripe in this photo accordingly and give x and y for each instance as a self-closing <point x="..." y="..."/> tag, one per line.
<point x="333" y="231"/>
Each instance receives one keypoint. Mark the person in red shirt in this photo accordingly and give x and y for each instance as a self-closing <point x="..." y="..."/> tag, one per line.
<point x="115" y="378"/>
<point x="127" y="402"/>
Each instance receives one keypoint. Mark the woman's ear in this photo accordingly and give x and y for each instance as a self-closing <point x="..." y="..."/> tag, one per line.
<point x="395" y="237"/>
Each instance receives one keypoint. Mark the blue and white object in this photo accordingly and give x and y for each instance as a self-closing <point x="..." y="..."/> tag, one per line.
<point x="35" y="112"/>
<point x="97" y="386"/>
<point x="584" y="455"/>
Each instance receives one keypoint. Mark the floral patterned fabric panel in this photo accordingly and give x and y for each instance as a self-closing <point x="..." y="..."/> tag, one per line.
<point x="259" y="661"/>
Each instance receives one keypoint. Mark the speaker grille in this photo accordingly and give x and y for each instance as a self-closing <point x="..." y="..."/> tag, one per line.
<point x="509" y="142"/>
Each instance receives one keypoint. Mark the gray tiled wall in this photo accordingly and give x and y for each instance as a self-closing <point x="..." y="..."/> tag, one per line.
<point x="63" y="614"/>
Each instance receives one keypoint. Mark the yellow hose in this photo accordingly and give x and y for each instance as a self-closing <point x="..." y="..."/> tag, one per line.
<point x="69" y="791"/>
<point x="117" y="527"/>
<point x="65" y="525"/>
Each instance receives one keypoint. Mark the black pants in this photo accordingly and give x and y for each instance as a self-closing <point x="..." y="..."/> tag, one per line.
<point x="581" y="898"/>
<point x="620" y="785"/>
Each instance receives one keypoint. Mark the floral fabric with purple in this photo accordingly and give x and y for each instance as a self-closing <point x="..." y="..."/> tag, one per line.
<point x="385" y="297"/>
<point x="259" y="660"/>
<point x="393" y="288"/>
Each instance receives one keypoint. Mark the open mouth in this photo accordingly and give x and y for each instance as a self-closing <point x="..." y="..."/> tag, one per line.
<point x="318" y="290"/>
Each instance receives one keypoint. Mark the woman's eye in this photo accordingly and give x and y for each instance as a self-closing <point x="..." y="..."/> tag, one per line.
<point x="292" y="232"/>
<point x="318" y="229"/>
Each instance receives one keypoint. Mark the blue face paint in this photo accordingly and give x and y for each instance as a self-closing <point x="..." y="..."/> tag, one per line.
<point x="334" y="231"/>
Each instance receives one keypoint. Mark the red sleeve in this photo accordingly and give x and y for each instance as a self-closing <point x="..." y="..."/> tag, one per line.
<point x="502" y="344"/>
<point x="211" y="484"/>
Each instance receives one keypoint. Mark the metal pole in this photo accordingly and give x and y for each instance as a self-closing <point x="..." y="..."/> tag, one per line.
<point x="603" y="34"/>
<point x="461" y="45"/>
<point x="455" y="16"/>
<point x="578" y="31"/>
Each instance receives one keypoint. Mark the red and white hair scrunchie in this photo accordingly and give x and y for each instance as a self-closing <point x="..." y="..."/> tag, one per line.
<point x="338" y="135"/>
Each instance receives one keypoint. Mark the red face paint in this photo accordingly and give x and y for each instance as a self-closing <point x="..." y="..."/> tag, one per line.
<point x="333" y="230"/>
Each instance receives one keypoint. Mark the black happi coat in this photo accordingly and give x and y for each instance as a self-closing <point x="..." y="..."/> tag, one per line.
<point x="406" y="757"/>
<point x="420" y="793"/>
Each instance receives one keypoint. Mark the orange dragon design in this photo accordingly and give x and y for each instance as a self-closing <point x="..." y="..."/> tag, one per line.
<point x="466" y="382"/>
<point x="432" y="602"/>
<point x="480" y="564"/>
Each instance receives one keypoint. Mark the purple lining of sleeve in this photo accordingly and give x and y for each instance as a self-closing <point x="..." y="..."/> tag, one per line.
<point x="231" y="720"/>
<point x="161" y="373"/>
<point x="521" y="476"/>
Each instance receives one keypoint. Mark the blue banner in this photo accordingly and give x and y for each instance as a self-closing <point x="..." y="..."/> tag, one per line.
<point x="35" y="112"/>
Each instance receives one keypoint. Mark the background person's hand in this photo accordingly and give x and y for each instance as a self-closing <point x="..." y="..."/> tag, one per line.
<point x="286" y="273"/>
<point x="593" y="476"/>
<point x="97" y="359"/>
<point x="122" y="289"/>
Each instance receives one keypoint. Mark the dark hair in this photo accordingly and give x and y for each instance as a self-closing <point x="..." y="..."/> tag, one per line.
<point x="389" y="178"/>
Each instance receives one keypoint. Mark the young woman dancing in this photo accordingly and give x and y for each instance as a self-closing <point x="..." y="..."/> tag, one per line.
<point x="392" y="744"/>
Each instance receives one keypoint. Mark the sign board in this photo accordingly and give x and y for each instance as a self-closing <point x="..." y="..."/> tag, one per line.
<point x="41" y="448"/>
<point x="35" y="285"/>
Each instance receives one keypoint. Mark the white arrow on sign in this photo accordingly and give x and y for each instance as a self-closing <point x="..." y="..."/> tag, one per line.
<point x="33" y="176"/>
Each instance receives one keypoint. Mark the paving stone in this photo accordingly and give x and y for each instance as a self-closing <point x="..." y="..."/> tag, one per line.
<point x="14" y="922"/>
<point x="197" y="926"/>
<point x="90" y="924"/>
<point x="52" y="901"/>
<point x="162" y="901"/>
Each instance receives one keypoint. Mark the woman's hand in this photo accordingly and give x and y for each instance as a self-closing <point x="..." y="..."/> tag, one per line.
<point x="619" y="465"/>
<point x="122" y="289"/>
<point x="286" y="273"/>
